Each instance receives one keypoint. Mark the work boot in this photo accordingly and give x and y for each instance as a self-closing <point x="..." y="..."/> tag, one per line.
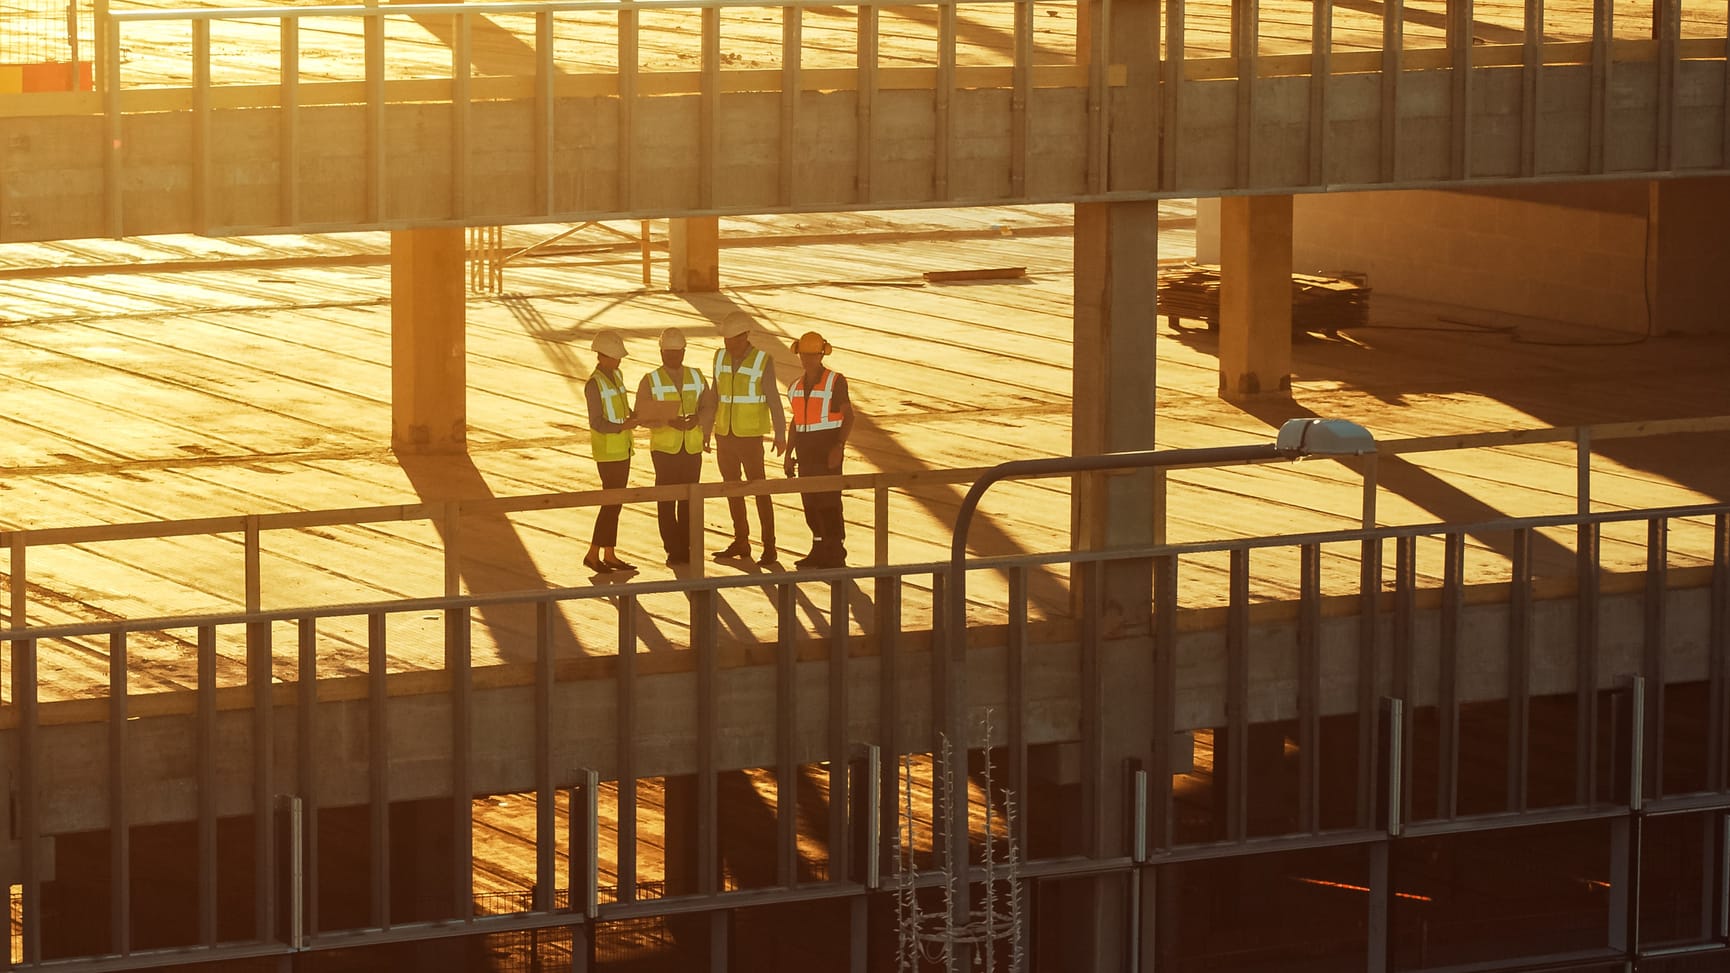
<point x="740" y="549"/>
<point x="770" y="556"/>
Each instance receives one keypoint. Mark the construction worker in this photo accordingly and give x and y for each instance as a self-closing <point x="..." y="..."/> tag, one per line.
<point x="748" y="404"/>
<point x="610" y="423"/>
<point x="822" y="419"/>
<point x="677" y="445"/>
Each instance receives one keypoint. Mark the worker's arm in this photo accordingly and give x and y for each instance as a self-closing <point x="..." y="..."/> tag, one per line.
<point x="708" y="403"/>
<point x="772" y="391"/>
<point x="843" y="404"/>
<point x="598" y="420"/>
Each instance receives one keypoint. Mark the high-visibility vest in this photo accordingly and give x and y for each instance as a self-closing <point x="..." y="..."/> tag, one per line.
<point x="744" y="409"/>
<point x="609" y="447"/>
<point x="814" y="409"/>
<point x="667" y="439"/>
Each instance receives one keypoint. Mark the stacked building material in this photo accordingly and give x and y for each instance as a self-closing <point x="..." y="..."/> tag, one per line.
<point x="1320" y="303"/>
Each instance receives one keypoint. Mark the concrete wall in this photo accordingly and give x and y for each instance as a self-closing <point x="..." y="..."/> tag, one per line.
<point x="1575" y="253"/>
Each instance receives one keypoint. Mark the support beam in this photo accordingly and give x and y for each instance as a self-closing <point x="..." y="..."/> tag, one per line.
<point x="694" y="254"/>
<point x="428" y="372"/>
<point x="1255" y="296"/>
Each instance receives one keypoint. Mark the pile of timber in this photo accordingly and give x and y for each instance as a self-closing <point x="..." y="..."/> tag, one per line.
<point x="1320" y="303"/>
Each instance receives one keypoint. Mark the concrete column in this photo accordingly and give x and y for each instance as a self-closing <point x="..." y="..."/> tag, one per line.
<point x="1116" y="264"/>
<point x="428" y="378"/>
<point x="1255" y="296"/>
<point x="694" y="254"/>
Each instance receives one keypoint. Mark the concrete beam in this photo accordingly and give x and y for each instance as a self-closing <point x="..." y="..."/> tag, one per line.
<point x="1255" y="296"/>
<point x="694" y="254"/>
<point x="429" y="411"/>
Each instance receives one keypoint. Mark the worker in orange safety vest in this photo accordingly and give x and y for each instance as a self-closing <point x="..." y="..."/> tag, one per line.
<point x="822" y="418"/>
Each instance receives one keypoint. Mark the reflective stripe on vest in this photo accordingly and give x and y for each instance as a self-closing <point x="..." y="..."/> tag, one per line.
<point x="744" y="409"/>
<point x="608" y="447"/>
<point x="812" y="410"/>
<point x="666" y="439"/>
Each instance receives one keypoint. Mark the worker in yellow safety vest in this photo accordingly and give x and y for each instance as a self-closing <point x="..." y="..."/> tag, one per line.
<point x="676" y="443"/>
<point x="822" y="416"/>
<point x="610" y="423"/>
<point x="748" y="405"/>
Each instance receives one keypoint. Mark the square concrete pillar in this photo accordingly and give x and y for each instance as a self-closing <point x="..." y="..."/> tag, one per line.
<point x="428" y="374"/>
<point x="694" y="254"/>
<point x="1255" y="266"/>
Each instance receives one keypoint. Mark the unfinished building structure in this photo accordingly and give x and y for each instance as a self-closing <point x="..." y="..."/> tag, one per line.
<point x="1207" y="773"/>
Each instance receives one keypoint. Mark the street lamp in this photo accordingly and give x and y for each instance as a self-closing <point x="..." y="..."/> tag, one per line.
<point x="1297" y="439"/>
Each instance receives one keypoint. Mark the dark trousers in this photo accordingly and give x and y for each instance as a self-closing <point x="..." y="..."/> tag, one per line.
<point x="741" y="458"/>
<point x="613" y="476"/>
<point x="674" y="516"/>
<point x="822" y="510"/>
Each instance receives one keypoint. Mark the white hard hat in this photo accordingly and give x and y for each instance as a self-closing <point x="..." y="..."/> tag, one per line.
<point x="734" y="324"/>
<point x="609" y="343"/>
<point x="672" y="339"/>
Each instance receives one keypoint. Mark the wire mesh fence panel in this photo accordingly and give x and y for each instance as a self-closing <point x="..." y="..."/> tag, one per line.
<point x="45" y="31"/>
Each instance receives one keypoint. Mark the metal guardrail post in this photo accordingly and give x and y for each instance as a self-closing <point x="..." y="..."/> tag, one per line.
<point x="583" y="843"/>
<point x="296" y="893"/>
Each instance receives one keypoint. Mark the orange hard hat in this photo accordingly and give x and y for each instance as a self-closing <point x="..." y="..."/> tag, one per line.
<point x="811" y="343"/>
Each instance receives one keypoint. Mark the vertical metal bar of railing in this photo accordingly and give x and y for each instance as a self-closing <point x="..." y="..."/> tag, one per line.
<point x="119" y="821"/>
<point x="1447" y="684"/>
<point x="1164" y="694"/>
<point x="786" y="738"/>
<point x="18" y="577"/>
<point x="376" y="157"/>
<point x="1171" y="111"/>
<point x="461" y="59"/>
<point x="260" y="675"/>
<point x="1583" y="471"/>
<point x="1586" y="663"/>
<point x="880" y="525"/>
<point x="1309" y="687"/>
<point x="888" y="604"/>
<point x="1236" y="756"/>
<point x="201" y="134"/>
<point x="626" y="750"/>
<point x="582" y="845"/>
<point x="1015" y="661"/>
<point x="1531" y="71"/>
<point x="1460" y="19"/>
<point x="113" y="159"/>
<point x="1369" y="587"/>
<point x="1245" y="38"/>
<point x="628" y="69"/>
<point x="1668" y="14"/>
<point x="1519" y="670"/>
<point x="866" y="137"/>
<point x="24" y="691"/>
<point x="792" y="90"/>
<point x="1653" y="662"/>
<point x="1020" y="93"/>
<point x="705" y="643"/>
<point x="306" y="764"/>
<point x="205" y="763"/>
<point x="458" y="654"/>
<point x="708" y="120"/>
<point x="1718" y="659"/>
<point x="1098" y="74"/>
<point x="942" y="142"/>
<point x="546" y="114"/>
<point x="288" y="125"/>
<point x="295" y="893"/>
<point x="546" y="837"/>
<point x="1321" y="70"/>
<point x="1404" y="637"/>
<point x="1603" y="37"/>
<point x="1098" y="836"/>
<point x="1371" y="470"/>
<point x="1393" y="47"/>
<point x="840" y="642"/>
<point x="378" y="770"/>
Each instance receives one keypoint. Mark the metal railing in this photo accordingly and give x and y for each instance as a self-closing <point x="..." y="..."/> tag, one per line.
<point x="1632" y="745"/>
